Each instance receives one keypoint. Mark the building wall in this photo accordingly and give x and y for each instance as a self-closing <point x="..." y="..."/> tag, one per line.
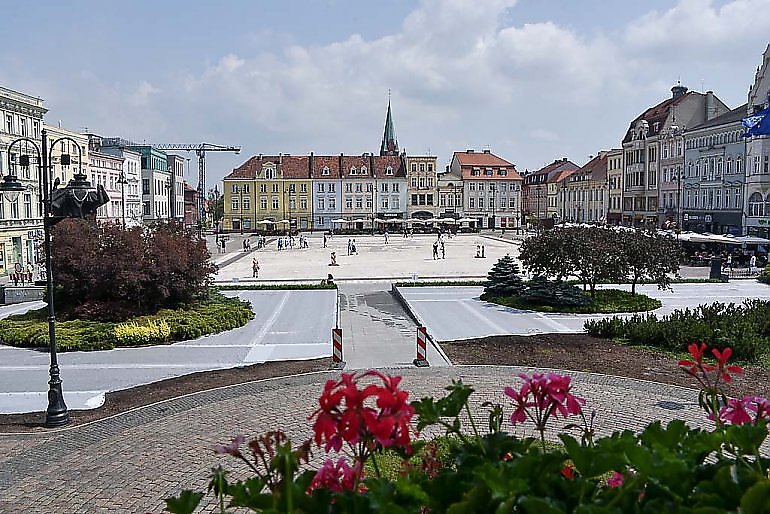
<point x="176" y="175"/>
<point x="422" y="186"/>
<point x="21" y="232"/>
<point x="615" y="187"/>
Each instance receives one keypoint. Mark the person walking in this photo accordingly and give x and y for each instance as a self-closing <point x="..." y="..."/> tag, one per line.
<point x="753" y="264"/>
<point x="324" y="240"/>
<point x="333" y="257"/>
<point x="255" y="268"/>
<point x="353" y="249"/>
<point x="386" y="237"/>
<point x="350" y="246"/>
<point x="435" y="250"/>
<point x="280" y="243"/>
<point x="443" y="250"/>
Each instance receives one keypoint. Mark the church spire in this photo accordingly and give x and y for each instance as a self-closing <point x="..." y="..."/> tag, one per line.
<point x="389" y="144"/>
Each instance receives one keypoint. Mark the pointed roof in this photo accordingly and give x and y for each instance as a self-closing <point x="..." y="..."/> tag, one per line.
<point x="389" y="144"/>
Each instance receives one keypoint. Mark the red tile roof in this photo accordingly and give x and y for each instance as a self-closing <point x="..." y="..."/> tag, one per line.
<point x="300" y="167"/>
<point x="484" y="161"/>
<point x="657" y="115"/>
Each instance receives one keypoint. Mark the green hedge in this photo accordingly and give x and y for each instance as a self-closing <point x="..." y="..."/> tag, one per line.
<point x="745" y="328"/>
<point x="438" y="283"/>
<point x="30" y="330"/>
<point x="765" y="275"/>
<point x="269" y="287"/>
<point x="606" y="301"/>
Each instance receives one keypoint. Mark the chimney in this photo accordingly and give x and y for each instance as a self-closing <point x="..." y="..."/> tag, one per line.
<point x="447" y="168"/>
<point x="487" y="150"/>
<point x="678" y="91"/>
<point x="711" y="106"/>
<point x="260" y="157"/>
<point x="280" y="158"/>
<point x="310" y="165"/>
<point x="470" y="150"/>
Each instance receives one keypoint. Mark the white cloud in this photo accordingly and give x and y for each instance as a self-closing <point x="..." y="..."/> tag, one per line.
<point x="142" y="94"/>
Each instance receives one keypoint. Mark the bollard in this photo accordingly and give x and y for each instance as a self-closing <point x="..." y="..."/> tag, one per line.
<point x="422" y="336"/>
<point x="337" y="362"/>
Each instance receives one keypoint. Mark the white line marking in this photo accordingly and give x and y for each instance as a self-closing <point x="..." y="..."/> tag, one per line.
<point x="477" y="314"/>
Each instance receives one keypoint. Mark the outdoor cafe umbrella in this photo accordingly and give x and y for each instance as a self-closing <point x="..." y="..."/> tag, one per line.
<point x="466" y="220"/>
<point x="265" y="222"/>
<point x="447" y="220"/>
<point x="340" y="220"/>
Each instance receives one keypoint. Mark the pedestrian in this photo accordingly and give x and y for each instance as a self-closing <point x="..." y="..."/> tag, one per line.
<point x="350" y="246"/>
<point x="280" y="243"/>
<point x="478" y="251"/>
<point x="482" y="252"/>
<point x="443" y="250"/>
<point x="245" y="245"/>
<point x="435" y="250"/>
<point x="386" y="237"/>
<point x="255" y="267"/>
<point x="224" y="243"/>
<point x="30" y="272"/>
<point x="753" y="264"/>
<point x="324" y="240"/>
<point x="353" y="247"/>
<point x="333" y="259"/>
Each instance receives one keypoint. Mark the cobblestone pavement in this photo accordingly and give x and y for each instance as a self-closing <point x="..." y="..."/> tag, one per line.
<point x="131" y="462"/>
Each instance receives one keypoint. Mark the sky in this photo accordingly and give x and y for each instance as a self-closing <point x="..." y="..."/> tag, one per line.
<point x="531" y="80"/>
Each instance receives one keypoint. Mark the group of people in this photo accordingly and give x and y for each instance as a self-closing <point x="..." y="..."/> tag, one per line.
<point x="22" y="274"/>
<point x="291" y="241"/>
<point x="247" y="243"/>
<point x="352" y="247"/>
<point x="439" y="244"/>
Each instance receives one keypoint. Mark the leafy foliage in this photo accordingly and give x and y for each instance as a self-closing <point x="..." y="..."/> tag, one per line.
<point x="596" y="255"/>
<point x="504" y="278"/>
<point x="541" y="291"/>
<point x="217" y="314"/>
<point x="604" y="301"/>
<point x="745" y="327"/>
<point x="107" y="273"/>
<point x="765" y="275"/>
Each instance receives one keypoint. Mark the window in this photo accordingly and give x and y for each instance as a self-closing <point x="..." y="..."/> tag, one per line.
<point x="430" y="199"/>
<point x="303" y="188"/>
<point x="756" y="205"/>
<point x="234" y="203"/>
<point x="430" y="166"/>
<point x="384" y="187"/>
<point x="27" y="206"/>
<point x="353" y="170"/>
<point x="385" y="203"/>
<point x="321" y="187"/>
<point x="263" y="203"/>
<point x="414" y="182"/>
<point x="737" y="197"/>
<point x="414" y="199"/>
<point x="503" y="173"/>
<point x="325" y="171"/>
<point x="389" y="170"/>
<point x="292" y="203"/>
<point x="359" y="202"/>
<point x="321" y="204"/>
<point x="718" y="199"/>
<point x="35" y="129"/>
<point x="394" y="202"/>
<point x="395" y="187"/>
<point x="503" y="203"/>
<point x="471" y="186"/>
<point x="430" y="181"/>
<point x="703" y="198"/>
<point x="246" y="203"/>
<point x="275" y="203"/>
<point x="303" y="203"/>
<point x="422" y="166"/>
<point x="146" y="208"/>
<point x="481" y="203"/>
<point x="269" y="173"/>
<point x="422" y="182"/>
<point x="145" y="186"/>
<point x="332" y="203"/>
<point x="414" y="166"/>
<point x="363" y="170"/>
<point x="471" y="202"/>
<point x="9" y="123"/>
<point x="369" y="187"/>
<point x="276" y="189"/>
<point x="738" y="166"/>
<point x="348" y="187"/>
<point x="359" y="187"/>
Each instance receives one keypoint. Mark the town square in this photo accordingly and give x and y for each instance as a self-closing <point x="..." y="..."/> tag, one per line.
<point x="420" y="256"/>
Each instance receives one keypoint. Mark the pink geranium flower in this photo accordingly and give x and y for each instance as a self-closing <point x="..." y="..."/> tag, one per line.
<point x="749" y="409"/>
<point x="616" y="480"/>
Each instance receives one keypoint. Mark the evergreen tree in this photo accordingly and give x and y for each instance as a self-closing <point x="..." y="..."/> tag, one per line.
<point x="541" y="291"/>
<point x="504" y="279"/>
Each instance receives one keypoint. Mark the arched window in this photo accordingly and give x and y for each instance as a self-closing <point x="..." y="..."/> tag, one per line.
<point x="352" y="170"/>
<point x="729" y="169"/>
<point x="325" y="171"/>
<point x="719" y="167"/>
<point x="689" y="169"/>
<point x="756" y="205"/>
<point x="738" y="166"/>
<point x="363" y="170"/>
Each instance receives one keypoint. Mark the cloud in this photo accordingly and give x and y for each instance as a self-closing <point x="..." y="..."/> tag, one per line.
<point x="142" y="94"/>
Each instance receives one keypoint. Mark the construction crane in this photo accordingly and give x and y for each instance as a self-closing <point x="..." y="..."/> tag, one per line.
<point x="200" y="150"/>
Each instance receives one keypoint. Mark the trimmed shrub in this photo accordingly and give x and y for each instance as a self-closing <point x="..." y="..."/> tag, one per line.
<point x="745" y="328"/>
<point x="765" y="275"/>
<point x="134" y="334"/>
<point x="541" y="291"/>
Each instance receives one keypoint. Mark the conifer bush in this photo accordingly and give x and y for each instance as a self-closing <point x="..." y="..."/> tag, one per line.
<point x="504" y="278"/>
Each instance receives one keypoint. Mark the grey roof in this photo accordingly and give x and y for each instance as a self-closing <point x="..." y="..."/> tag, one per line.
<point x="736" y="114"/>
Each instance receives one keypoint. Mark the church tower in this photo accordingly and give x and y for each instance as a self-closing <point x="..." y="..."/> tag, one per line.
<point x="389" y="144"/>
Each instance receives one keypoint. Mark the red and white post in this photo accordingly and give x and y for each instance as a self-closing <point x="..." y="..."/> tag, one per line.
<point x="337" y="348"/>
<point x="422" y="337"/>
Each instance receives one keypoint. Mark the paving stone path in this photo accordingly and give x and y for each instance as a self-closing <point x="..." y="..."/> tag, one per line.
<point x="131" y="462"/>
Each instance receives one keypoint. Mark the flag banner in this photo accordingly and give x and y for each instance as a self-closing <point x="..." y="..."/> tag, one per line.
<point x="757" y="124"/>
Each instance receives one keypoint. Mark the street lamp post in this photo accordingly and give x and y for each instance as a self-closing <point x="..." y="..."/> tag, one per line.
<point x="56" y="412"/>
<point x="122" y="181"/>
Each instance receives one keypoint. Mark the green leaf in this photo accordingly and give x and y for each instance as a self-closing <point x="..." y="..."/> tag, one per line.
<point x="592" y="461"/>
<point x="756" y="500"/>
<point x="536" y="505"/>
<point x="185" y="503"/>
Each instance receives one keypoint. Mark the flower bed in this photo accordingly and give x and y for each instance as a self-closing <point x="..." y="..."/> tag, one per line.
<point x="30" y="330"/>
<point x="364" y="417"/>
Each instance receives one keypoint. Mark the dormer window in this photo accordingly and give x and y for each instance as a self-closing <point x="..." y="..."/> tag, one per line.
<point x="503" y="173"/>
<point x="363" y="170"/>
<point x="353" y="170"/>
<point x="325" y="170"/>
<point x="389" y="170"/>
